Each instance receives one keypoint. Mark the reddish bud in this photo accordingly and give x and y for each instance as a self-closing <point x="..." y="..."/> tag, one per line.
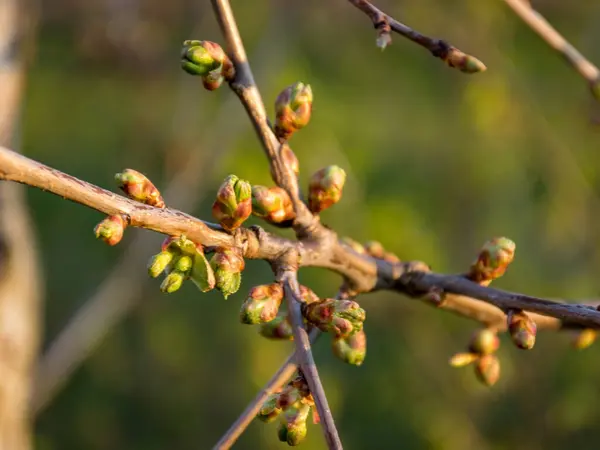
<point x="307" y="295"/>
<point x="293" y="108"/>
<point x="227" y="265"/>
<point x="341" y="317"/>
<point x="493" y="260"/>
<point x="262" y="304"/>
<point x="111" y="229"/>
<point x="325" y="188"/>
<point x="139" y="188"/>
<point x="272" y="204"/>
<point x="484" y="342"/>
<point x="233" y="204"/>
<point x="487" y="369"/>
<point x="522" y="329"/>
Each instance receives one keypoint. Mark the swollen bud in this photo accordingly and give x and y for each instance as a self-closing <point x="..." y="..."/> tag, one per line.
<point x="172" y="282"/>
<point x="325" y="188"/>
<point x="269" y="410"/>
<point x="487" y="369"/>
<point x="208" y="60"/>
<point x="279" y="328"/>
<point x="262" y="304"/>
<point x="293" y="425"/>
<point x="308" y="295"/>
<point x="585" y="338"/>
<point x="159" y="263"/>
<point x="227" y="265"/>
<point x="493" y="259"/>
<point x="522" y="329"/>
<point x="139" y="188"/>
<point x="484" y="342"/>
<point x="341" y="317"/>
<point x="234" y="203"/>
<point x="111" y="229"/>
<point x="351" y="350"/>
<point x="463" y="62"/>
<point x="463" y="359"/>
<point x="272" y="204"/>
<point x="293" y="107"/>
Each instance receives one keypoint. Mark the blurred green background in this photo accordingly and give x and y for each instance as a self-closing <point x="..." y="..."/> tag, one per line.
<point x="438" y="162"/>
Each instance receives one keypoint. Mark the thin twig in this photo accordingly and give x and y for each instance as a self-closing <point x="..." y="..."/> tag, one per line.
<point x="548" y="33"/>
<point x="305" y="357"/>
<point x="285" y="372"/>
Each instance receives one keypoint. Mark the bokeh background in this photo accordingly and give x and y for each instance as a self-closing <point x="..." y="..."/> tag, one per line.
<point x="438" y="162"/>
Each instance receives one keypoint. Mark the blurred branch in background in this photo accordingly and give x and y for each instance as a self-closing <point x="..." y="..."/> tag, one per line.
<point x="549" y="34"/>
<point x="125" y="286"/>
<point x="19" y="271"/>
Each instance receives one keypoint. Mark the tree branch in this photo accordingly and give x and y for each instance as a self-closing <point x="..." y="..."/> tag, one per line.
<point x="548" y="33"/>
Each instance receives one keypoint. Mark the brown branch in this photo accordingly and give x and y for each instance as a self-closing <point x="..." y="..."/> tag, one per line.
<point x="438" y="47"/>
<point x="285" y="372"/>
<point x="548" y="33"/>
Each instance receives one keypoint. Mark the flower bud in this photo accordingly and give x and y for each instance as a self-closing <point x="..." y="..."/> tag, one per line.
<point x="487" y="369"/>
<point x="493" y="259"/>
<point x="375" y="249"/>
<point x="308" y="295"/>
<point x="462" y="61"/>
<point x="279" y="328"/>
<point x="352" y="349"/>
<point x="293" y="107"/>
<point x="262" y="304"/>
<point x="585" y="338"/>
<point x="293" y="425"/>
<point x="325" y="188"/>
<point x="139" y="188"/>
<point x="341" y="317"/>
<point x="111" y="229"/>
<point x="234" y="203"/>
<point x="206" y="59"/>
<point x="522" y="329"/>
<point x="288" y="397"/>
<point x="463" y="359"/>
<point x="272" y="204"/>
<point x="269" y="410"/>
<point x="172" y="282"/>
<point x="484" y="342"/>
<point x="227" y="265"/>
<point x="159" y="263"/>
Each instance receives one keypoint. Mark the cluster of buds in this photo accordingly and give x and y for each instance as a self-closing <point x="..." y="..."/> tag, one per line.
<point x="138" y="187"/>
<point x="234" y="203"/>
<point x="343" y="318"/>
<point x="262" y="304"/>
<point x="280" y="328"/>
<point x="293" y="107"/>
<point x="458" y="59"/>
<point x="325" y="188"/>
<point x="522" y="329"/>
<point x="111" y="229"/>
<point x="351" y="349"/>
<point x="227" y="265"/>
<point x="493" y="260"/>
<point x="272" y="204"/>
<point x="207" y="60"/>
<point x="482" y="349"/>
<point x="292" y="405"/>
<point x="181" y="259"/>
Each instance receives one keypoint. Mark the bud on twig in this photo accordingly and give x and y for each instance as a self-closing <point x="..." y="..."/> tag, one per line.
<point x="341" y="317"/>
<point x="172" y="282"/>
<point x="522" y="329"/>
<point x="139" y="188"/>
<point x="208" y="60"/>
<point x="234" y="203"/>
<point x="325" y="188"/>
<point x="159" y="263"/>
<point x="458" y="59"/>
<point x="293" y="425"/>
<point x="227" y="265"/>
<point x="262" y="304"/>
<point x="308" y="296"/>
<point x="269" y="410"/>
<point x="487" y="369"/>
<point x="351" y="350"/>
<point x="375" y="249"/>
<point x="293" y="108"/>
<point x="354" y="245"/>
<point x="111" y="229"/>
<point x="279" y="328"/>
<point x="493" y="259"/>
<point x="585" y="338"/>
<point x="272" y="204"/>
<point x="463" y="359"/>
<point x="484" y="342"/>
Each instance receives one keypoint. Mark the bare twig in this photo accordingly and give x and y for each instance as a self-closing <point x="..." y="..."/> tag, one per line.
<point x="285" y="372"/>
<point x="548" y="33"/>
<point x="438" y="47"/>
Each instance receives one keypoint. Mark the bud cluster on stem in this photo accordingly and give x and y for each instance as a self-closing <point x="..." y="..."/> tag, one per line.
<point x="139" y="188"/>
<point x="227" y="264"/>
<point x="481" y="351"/>
<point x="233" y="204"/>
<point x="208" y="60"/>
<point x="293" y="107"/>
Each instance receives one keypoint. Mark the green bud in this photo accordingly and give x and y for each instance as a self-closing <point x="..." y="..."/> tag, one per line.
<point x="294" y="420"/>
<point x="139" y="188"/>
<point x="279" y="328"/>
<point x="484" y="342"/>
<point x="172" y="282"/>
<point x="351" y="350"/>
<point x="293" y="108"/>
<point x="159" y="263"/>
<point x="487" y="369"/>
<point x="206" y="59"/>
<point x="183" y="264"/>
<point x="111" y="229"/>
<point x="493" y="260"/>
<point x="463" y="359"/>
<point x="269" y="410"/>
<point x="522" y="329"/>
<point x="325" y="188"/>
<point x="234" y="203"/>
<point x="463" y="62"/>
<point x="227" y="265"/>
<point x="288" y="397"/>
<point x="341" y="317"/>
<point x="202" y="274"/>
<point x="272" y="204"/>
<point x="585" y="338"/>
<point x="262" y="304"/>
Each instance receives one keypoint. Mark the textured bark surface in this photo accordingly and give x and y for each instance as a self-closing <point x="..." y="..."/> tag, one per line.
<point x="19" y="280"/>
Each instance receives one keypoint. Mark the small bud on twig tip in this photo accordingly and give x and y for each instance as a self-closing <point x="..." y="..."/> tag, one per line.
<point x="493" y="260"/>
<point x="111" y="229"/>
<point x="293" y="108"/>
<point x="139" y="188"/>
<point x="325" y="188"/>
<point x="522" y="329"/>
